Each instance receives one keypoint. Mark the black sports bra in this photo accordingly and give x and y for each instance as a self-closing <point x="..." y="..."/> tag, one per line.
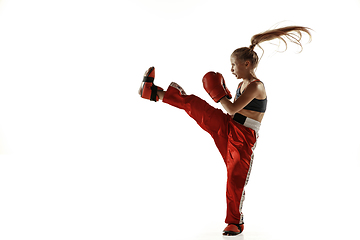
<point x="258" y="105"/>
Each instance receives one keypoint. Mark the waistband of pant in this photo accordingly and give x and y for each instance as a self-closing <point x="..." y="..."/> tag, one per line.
<point x="247" y="122"/>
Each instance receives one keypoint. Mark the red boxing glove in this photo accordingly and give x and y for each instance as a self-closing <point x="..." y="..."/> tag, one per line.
<point x="214" y="85"/>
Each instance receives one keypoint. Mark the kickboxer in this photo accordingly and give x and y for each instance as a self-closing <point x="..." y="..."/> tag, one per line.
<point x="235" y="132"/>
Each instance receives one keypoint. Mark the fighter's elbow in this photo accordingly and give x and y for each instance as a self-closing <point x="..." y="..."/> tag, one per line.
<point x="231" y="111"/>
<point x="228" y="106"/>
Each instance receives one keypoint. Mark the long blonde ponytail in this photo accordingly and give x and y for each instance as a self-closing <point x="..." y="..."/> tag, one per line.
<point x="291" y="33"/>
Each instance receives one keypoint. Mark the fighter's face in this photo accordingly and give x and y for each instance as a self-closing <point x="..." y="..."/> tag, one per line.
<point x="238" y="67"/>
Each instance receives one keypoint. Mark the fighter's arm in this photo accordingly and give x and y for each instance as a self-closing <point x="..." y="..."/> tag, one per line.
<point x="252" y="91"/>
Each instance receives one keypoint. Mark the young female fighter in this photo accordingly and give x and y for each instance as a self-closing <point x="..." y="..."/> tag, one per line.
<point x="236" y="132"/>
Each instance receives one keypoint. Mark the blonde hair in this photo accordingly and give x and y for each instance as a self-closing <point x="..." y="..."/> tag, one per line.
<point x="292" y="33"/>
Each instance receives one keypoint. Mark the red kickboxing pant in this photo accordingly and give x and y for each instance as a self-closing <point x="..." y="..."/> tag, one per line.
<point x="234" y="141"/>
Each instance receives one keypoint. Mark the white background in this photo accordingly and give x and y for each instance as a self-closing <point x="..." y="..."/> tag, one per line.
<point x="84" y="157"/>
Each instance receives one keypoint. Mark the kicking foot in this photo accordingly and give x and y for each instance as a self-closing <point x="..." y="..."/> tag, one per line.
<point x="233" y="229"/>
<point x="148" y="89"/>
